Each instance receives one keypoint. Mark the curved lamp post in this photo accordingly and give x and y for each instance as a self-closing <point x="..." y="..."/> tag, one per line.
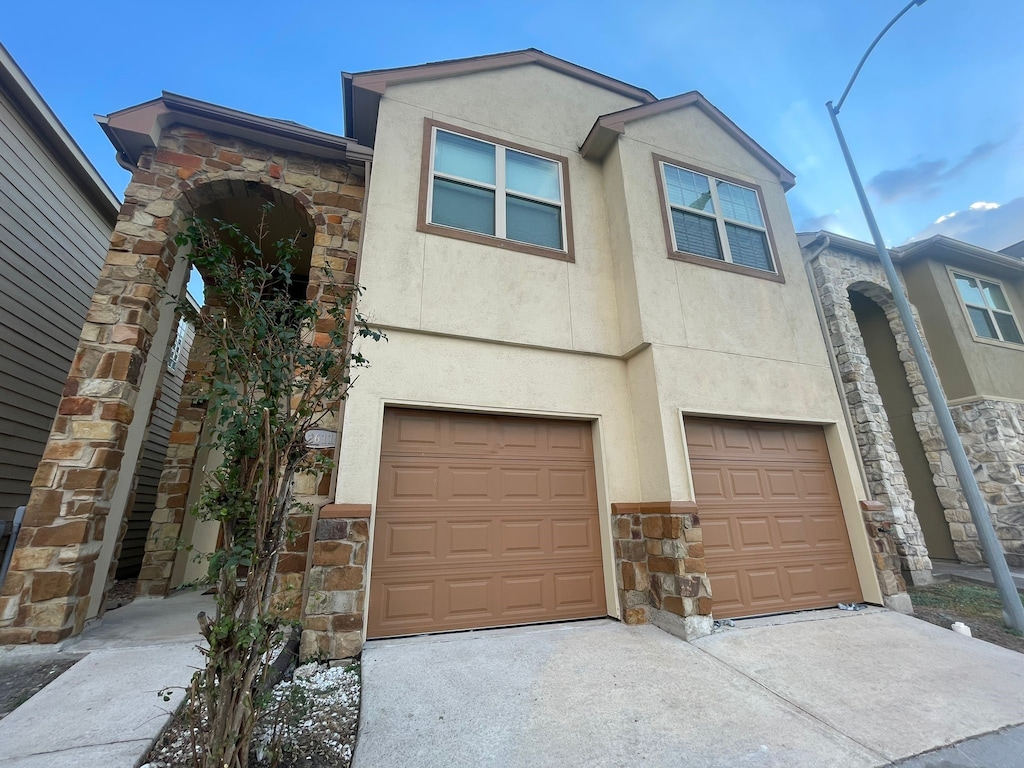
<point x="1013" y="610"/>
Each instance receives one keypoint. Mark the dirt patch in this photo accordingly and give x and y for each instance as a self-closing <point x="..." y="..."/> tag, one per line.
<point x="121" y="594"/>
<point x="22" y="679"/>
<point x="976" y="606"/>
<point x="311" y="722"/>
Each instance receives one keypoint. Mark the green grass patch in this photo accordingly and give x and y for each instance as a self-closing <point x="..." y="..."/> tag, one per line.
<point x="963" y="599"/>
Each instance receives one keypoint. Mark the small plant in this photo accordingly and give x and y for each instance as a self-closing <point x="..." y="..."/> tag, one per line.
<point x="276" y="366"/>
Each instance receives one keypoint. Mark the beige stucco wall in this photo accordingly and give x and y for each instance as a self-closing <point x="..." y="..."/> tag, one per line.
<point x="450" y="286"/>
<point x="983" y="369"/>
<point x="624" y="336"/>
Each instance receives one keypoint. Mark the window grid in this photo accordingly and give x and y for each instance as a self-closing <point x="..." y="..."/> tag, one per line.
<point x="1007" y="331"/>
<point x="720" y="219"/>
<point x="499" y="189"/>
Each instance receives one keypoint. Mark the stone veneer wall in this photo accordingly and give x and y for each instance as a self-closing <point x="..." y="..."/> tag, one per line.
<point x="336" y="602"/>
<point x="835" y="274"/>
<point x="45" y="597"/>
<point x="992" y="432"/>
<point x="660" y="568"/>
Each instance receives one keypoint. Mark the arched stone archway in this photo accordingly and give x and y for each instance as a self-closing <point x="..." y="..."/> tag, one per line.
<point x="65" y="550"/>
<point x="836" y="273"/>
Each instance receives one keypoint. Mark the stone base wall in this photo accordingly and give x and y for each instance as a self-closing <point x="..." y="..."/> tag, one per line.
<point x="660" y="568"/>
<point x="992" y="432"/>
<point x="878" y="519"/>
<point x="332" y="625"/>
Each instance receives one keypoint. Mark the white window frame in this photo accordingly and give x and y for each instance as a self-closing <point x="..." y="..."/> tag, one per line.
<point x="718" y="217"/>
<point x="500" y="193"/>
<point x="1000" y="342"/>
<point x="179" y="341"/>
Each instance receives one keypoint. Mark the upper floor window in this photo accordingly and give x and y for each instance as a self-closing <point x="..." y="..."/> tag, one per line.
<point x="716" y="218"/>
<point x="987" y="307"/>
<point x="501" y="194"/>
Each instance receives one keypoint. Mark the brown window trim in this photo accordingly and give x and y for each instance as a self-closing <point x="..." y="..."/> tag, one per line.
<point x="693" y="258"/>
<point x="422" y="225"/>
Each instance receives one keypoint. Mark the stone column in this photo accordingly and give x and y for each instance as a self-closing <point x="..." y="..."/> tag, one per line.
<point x="334" y="610"/>
<point x="46" y="595"/>
<point x="659" y="552"/>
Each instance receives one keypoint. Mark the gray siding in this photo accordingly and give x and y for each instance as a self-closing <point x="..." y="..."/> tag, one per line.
<point x="151" y="464"/>
<point x="53" y="241"/>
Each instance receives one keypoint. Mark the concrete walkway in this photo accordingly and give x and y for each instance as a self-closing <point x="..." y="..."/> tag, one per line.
<point x="105" y="710"/>
<point x="818" y="689"/>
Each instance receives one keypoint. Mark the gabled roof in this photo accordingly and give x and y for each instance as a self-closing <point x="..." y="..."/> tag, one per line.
<point x="45" y="122"/>
<point x="609" y="127"/>
<point x="938" y="247"/>
<point x="362" y="91"/>
<point x="135" y="129"/>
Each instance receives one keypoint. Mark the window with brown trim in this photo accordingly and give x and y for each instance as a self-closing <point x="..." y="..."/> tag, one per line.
<point x="715" y="220"/>
<point x="484" y="190"/>
<point x="985" y="304"/>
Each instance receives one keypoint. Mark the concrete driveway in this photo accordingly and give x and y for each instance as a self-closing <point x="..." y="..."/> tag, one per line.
<point x="822" y="689"/>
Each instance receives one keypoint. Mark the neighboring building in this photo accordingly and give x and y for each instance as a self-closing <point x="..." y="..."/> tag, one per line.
<point x="604" y="390"/>
<point x="970" y="303"/>
<point x="56" y="214"/>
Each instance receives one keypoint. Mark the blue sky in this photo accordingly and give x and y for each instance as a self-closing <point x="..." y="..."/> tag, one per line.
<point x="935" y="122"/>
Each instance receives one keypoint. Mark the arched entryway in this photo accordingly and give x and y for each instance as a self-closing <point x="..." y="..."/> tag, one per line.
<point x="208" y="160"/>
<point x="900" y="406"/>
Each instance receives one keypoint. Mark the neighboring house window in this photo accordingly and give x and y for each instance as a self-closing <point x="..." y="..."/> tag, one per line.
<point x="484" y="190"/>
<point x="715" y="218"/>
<point x="987" y="308"/>
<point x="179" y="340"/>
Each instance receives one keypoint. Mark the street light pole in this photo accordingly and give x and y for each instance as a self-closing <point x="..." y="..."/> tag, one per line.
<point x="1013" y="610"/>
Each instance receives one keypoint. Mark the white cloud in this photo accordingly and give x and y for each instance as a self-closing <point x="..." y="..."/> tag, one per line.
<point x="989" y="225"/>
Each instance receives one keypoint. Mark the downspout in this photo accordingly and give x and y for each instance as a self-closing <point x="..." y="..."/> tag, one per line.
<point x="836" y="375"/>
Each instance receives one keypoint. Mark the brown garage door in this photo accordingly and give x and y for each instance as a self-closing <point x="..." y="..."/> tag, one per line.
<point x="774" y="534"/>
<point x="483" y="521"/>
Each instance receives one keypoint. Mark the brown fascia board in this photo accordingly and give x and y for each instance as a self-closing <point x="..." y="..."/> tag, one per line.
<point x="609" y="127"/>
<point x="49" y="128"/>
<point x="943" y="248"/>
<point x="135" y="129"/>
<point x="937" y="247"/>
<point x="373" y="83"/>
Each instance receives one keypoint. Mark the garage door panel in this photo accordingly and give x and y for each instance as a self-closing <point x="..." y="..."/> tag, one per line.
<point x="524" y="537"/>
<point x="708" y="483"/>
<point x="774" y="534"/>
<point x="423" y="482"/>
<point x="754" y="533"/>
<point x="717" y="534"/>
<point x="744" y="484"/>
<point x="469" y="483"/>
<point x="490" y="520"/>
<point x="412" y="482"/>
<point x="580" y="590"/>
<point x="411" y="540"/>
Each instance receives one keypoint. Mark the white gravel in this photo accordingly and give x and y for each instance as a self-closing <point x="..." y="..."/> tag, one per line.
<point x="311" y="722"/>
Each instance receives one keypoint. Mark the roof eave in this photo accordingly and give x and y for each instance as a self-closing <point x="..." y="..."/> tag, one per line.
<point x="74" y="160"/>
<point x="608" y="128"/>
<point x="136" y="129"/>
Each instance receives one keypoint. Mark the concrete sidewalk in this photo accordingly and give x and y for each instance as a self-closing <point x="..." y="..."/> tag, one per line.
<point x="105" y="710"/>
<point x="810" y="690"/>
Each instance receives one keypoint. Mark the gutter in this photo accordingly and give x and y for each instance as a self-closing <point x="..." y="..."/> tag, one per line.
<point x="837" y="377"/>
